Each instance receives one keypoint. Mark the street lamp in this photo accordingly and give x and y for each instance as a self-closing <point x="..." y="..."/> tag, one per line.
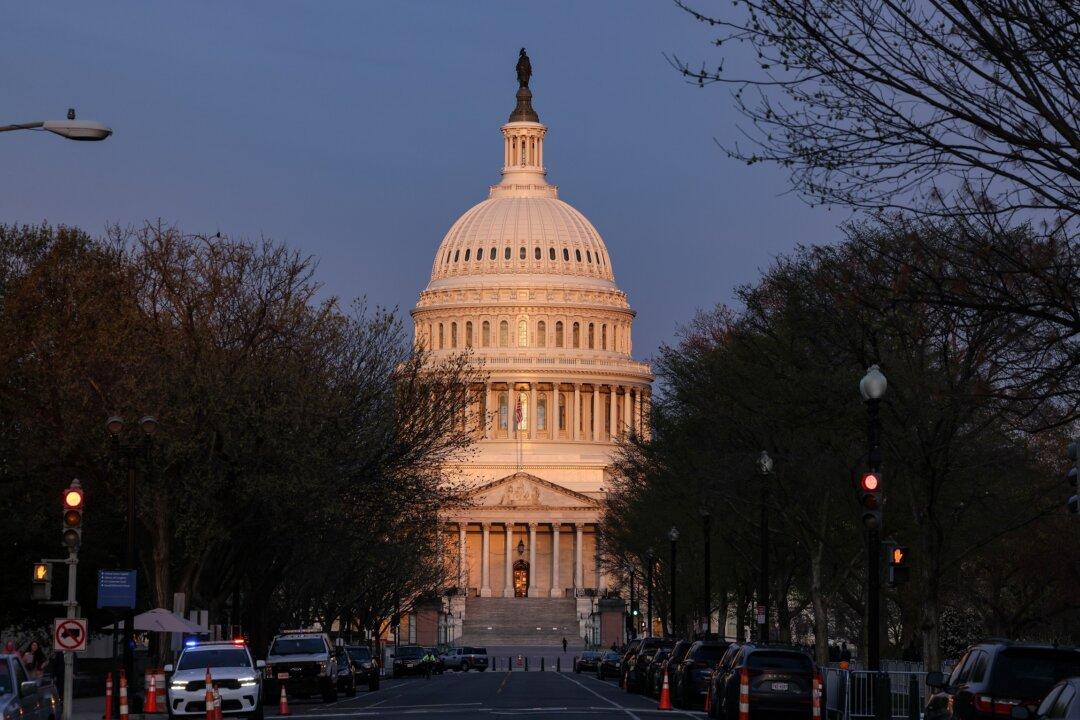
<point x="630" y="571"/>
<point x="650" y="559"/>
<point x="765" y="466"/>
<point x="872" y="387"/>
<point x="72" y="129"/>
<point x="673" y="536"/>
<point x="706" y="599"/>
<point x="521" y="548"/>
<point x="115" y="426"/>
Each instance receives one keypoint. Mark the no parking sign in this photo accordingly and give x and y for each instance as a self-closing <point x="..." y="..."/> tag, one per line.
<point x="69" y="634"/>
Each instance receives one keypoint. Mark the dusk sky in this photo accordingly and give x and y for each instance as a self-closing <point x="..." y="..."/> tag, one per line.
<point x="358" y="132"/>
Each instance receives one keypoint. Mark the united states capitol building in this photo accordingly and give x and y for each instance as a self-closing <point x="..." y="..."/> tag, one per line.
<point x="525" y="282"/>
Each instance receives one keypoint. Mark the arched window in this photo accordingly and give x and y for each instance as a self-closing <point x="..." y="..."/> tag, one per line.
<point x="504" y="334"/>
<point x="485" y="334"/>
<point x="591" y="344"/>
<point x="577" y="335"/>
<point x="565" y="254"/>
<point x="468" y="334"/>
<point x="577" y="253"/>
<point x="521" y="253"/>
<point x="440" y="336"/>
<point x="506" y="254"/>
<point x="541" y="334"/>
<point x="504" y="411"/>
<point x="456" y="252"/>
<point x="541" y="412"/>
<point x="536" y="254"/>
<point x="551" y="253"/>
<point x="467" y="251"/>
<point x="558" y="334"/>
<point x="494" y="255"/>
<point x="453" y="334"/>
<point x="588" y="256"/>
<point x="523" y="333"/>
<point x="603" y="337"/>
<point x="447" y="256"/>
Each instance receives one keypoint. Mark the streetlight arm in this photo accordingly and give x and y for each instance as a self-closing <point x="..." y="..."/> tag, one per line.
<point x="86" y="130"/>
<point x="22" y="126"/>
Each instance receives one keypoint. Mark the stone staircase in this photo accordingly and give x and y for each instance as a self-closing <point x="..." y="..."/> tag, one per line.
<point x="519" y="621"/>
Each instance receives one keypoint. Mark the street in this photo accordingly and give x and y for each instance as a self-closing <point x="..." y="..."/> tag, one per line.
<point x="522" y="694"/>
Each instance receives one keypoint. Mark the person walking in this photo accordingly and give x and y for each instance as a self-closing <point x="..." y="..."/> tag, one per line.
<point x="845" y="653"/>
<point x="34" y="659"/>
<point x="564" y="644"/>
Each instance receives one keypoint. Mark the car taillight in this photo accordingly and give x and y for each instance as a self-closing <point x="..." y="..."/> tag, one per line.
<point x="700" y="664"/>
<point x="995" y="706"/>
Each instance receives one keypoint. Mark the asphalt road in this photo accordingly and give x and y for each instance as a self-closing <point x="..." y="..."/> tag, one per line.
<point x="549" y="694"/>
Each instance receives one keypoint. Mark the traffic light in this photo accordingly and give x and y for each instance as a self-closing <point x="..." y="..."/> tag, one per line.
<point x="899" y="571"/>
<point x="1073" y="504"/>
<point x="870" y="499"/>
<point x="73" y="511"/>
<point x="41" y="581"/>
<point x="635" y="610"/>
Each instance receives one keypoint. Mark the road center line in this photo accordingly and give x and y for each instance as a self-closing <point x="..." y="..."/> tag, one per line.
<point x="589" y="689"/>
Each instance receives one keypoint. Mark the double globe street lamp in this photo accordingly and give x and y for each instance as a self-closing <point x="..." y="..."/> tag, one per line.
<point x="765" y="467"/>
<point x="673" y="536"/>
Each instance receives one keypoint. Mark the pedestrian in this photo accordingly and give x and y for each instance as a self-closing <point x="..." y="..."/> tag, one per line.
<point x="34" y="659"/>
<point x="429" y="664"/>
<point x="834" y="652"/>
<point x="845" y="653"/>
<point x="564" y="644"/>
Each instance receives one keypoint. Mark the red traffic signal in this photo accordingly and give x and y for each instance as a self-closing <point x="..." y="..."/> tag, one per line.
<point x="73" y="497"/>
<point x="73" y="510"/>
<point x="870" y="499"/>
<point x="870" y="482"/>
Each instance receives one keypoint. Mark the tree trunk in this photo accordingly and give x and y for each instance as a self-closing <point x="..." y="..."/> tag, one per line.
<point x="821" y="614"/>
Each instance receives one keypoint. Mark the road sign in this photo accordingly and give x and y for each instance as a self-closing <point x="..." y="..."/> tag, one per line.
<point x="69" y="634"/>
<point x="116" y="589"/>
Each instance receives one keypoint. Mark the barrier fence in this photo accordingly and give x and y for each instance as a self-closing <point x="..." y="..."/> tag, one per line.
<point x="850" y="695"/>
<point x="527" y="663"/>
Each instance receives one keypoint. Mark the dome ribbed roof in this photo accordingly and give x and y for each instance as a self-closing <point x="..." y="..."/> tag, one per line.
<point x="506" y="235"/>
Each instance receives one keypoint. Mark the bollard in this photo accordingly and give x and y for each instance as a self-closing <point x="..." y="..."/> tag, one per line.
<point x="558" y="664"/>
<point x="526" y="663"/>
<point x="914" y="701"/>
<point x="509" y="663"/>
<point x="541" y="663"/>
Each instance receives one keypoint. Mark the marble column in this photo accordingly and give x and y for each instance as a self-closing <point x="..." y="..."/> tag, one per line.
<point x="508" y="589"/>
<point x="575" y="422"/>
<point x="637" y="410"/>
<point x="485" y="548"/>
<point x="556" y="396"/>
<point x="556" y="590"/>
<point x="627" y="412"/>
<point x="490" y="419"/>
<point x="532" y="414"/>
<point x="578" y="569"/>
<point x="532" y="560"/>
<point x="596" y="422"/>
<point x="463" y="576"/>
<point x="613" y="413"/>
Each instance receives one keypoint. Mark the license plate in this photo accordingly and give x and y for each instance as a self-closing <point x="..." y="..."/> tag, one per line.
<point x="283" y="676"/>
<point x="779" y="686"/>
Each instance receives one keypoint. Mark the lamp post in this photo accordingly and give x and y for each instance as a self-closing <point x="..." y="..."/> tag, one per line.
<point x="872" y="387"/>
<point x="115" y="426"/>
<point x="673" y="536"/>
<point x="72" y="129"/>
<point x="629" y="569"/>
<point x="650" y="559"/>
<point x="707" y="580"/>
<point x="765" y="466"/>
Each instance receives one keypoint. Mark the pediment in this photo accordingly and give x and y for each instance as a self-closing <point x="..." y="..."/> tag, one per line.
<point x="522" y="490"/>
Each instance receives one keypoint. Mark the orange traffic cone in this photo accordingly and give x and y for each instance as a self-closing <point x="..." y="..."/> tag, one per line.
<point x="108" y="697"/>
<point x="151" y="696"/>
<point x="209" y="696"/>
<point x="665" y="694"/>
<point x="708" y="697"/>
<point x="217" y="703"/>
<point x="744" y="694"/>
<point x="123" y="696"/>
<point x="283" y="703"/>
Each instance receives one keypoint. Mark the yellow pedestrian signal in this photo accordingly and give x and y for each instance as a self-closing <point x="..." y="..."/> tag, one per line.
<point x="41" y="581"/>
<point x="898" y="555"/>
<point x="41" y="572"/>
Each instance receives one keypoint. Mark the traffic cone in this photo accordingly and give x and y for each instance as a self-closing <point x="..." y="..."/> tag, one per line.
<point x="283" y="703"/>
<point x="815" y="711"/>
<point x="209" y="696"/>
<point x="708" y="697"/>
<point x="151" y="696"/>
<point x="217" y="703"/>
<point x="744" y="694"/>
<point x="108" y="697"/>
<point x="665" y="694"/>
<point x="123" y="696"/>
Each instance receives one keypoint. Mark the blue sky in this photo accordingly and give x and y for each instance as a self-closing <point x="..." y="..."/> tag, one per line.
<point x="359" y="131"/>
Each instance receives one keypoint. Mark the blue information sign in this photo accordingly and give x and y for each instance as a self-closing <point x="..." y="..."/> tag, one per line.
<point x="116" y="589"/>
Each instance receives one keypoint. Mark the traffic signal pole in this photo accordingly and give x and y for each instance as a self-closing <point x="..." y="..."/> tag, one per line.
<point x="873" y="550"/>
<point x="69" y="657"/>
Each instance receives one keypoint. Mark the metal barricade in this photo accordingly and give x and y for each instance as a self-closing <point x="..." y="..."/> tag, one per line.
<point x="849" y="694"/>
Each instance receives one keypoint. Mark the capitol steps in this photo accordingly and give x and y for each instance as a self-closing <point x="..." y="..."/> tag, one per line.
<point x="519" y="621"/>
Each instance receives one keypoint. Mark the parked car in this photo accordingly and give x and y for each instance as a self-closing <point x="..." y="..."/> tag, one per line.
<point x="24" y="698"/>
<point x="690" y="678"/>
<point x="629" y="653"/>
<point x="1061" y="703"/>
<point x="779" y="680"/>
<point x="408" y="660"/>
<point x="588" y="660"/>
<point x="346" y="673"/>
<point x="997" y="675"/>
<point x="635" y="676"/>
<point x="304" y="661"/>
<point x="673" y="659"/>
<point x="654" y="673"/>
<point x="718" y="675"/>
<point x="367" y="667"/>
<point x="465" y="658"/>
<point x="608" y="665"/>
<point x="238" y="677"/>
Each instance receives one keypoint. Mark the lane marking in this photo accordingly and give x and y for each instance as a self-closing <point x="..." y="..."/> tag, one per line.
<point x="612" y="702"/>
<point x="503" y="683"/>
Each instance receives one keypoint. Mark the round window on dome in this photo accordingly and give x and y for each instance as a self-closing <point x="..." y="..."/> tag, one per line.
<point x="521" y="253"/>
<point x="506" y="254"/>
<point x="536" y="253"/>
<point x="576" y="252"/>
<point x="565" y="255"/>
<point x="551" y="253"/>
<point x="467" y="251"/>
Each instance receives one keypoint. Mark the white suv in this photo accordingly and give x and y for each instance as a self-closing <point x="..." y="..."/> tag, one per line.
<point x="237" y="676"/>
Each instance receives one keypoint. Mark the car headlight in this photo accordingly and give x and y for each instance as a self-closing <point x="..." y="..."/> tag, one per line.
<point x="178" y="685"/>
<point x="248" y="681"/>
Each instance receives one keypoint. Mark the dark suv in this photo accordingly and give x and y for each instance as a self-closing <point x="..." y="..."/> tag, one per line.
<point x="635" y="674"/>
<point x="779" y="680"/>
<point x="690" y="678"/>
<point x="995" y="676"/>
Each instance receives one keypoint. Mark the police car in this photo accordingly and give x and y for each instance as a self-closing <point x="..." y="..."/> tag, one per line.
<point x="304" y="662"/>
<point x="237" y="676"/>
